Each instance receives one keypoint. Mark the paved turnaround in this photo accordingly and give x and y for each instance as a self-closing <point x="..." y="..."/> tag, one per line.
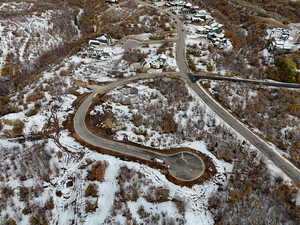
<point x="183" y="166"/>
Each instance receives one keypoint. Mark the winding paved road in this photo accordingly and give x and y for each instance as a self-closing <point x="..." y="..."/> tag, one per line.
<point x="186" y="170"/>
<point x="184" y="166"/>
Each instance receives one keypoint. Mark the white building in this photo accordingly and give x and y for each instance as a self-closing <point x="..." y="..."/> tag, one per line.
<point x="103" y="39"/>
<point x="112" y="1"/>
<point x="197" y="16"/>
<point x="283" y="40"/>
<point x="155" y="62"/>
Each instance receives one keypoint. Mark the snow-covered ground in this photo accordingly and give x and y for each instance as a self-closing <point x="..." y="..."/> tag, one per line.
<point x="25" y="38"/>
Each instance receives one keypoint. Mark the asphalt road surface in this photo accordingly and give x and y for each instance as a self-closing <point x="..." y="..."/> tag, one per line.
<point x="196" y="77"/>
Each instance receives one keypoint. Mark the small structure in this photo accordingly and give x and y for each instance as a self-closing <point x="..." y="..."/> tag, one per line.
<point x="100" y="40"/>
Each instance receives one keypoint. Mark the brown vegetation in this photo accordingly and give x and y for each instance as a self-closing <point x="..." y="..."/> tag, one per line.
<point x="10" y="222"/>
<point x="97" y="171"/>
<point x="268" y="21"/>
<point x="90" y="206"/>
<point x="6" y="106"/>
<point x="285" y="69"/>
<point x="17" y="129"/>
<point x="158" y="195"/>
<point x="7" y="192"/>
<point x="91" y="190"/>
<point x="133" y="56"/>
<point x="35" y="97"/>
<point x="253" y="197"/>
<point x="63" y="14"/>
<point x="49" y="204"/>
<point x="23" y="194"/>
<point x="38" y="220"/>
<point x="125" y="22"/>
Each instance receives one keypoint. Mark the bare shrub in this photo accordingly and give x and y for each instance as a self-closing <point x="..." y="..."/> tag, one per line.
<point x="27" y="210"/>
<point x="180" y="205"/>
<point x="91" y="190"/>
<point x="97" y="171"/>
<point x="168" y="124"/>
<point x="137" y="120"/>
<point x="10" y="222"/>
<point x="38" y="220"/>
<point x="49" y="204"/>
<point x="23" y="194"/>
<point x="35" y="97"/>
<point x="7" y="192"/>
<point x="158" y="195"/>
<point x="143" y="213"/>
<point x="90" y="206"/>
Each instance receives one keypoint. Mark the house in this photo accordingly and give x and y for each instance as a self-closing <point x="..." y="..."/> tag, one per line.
<point x="155" y="62"/>
<point x="199" y="16"/>
<point x="203" y="15"/>
<point x="215" y="26"/>
<point x="100" y="40"/>
<point x="179" y="4"/>
<point x="185" y="11"/>
<point x="282" y="46"/>
<point x="112" y="1"/>
<point x="283" y="41"/>
<point x="187" y="5"/>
